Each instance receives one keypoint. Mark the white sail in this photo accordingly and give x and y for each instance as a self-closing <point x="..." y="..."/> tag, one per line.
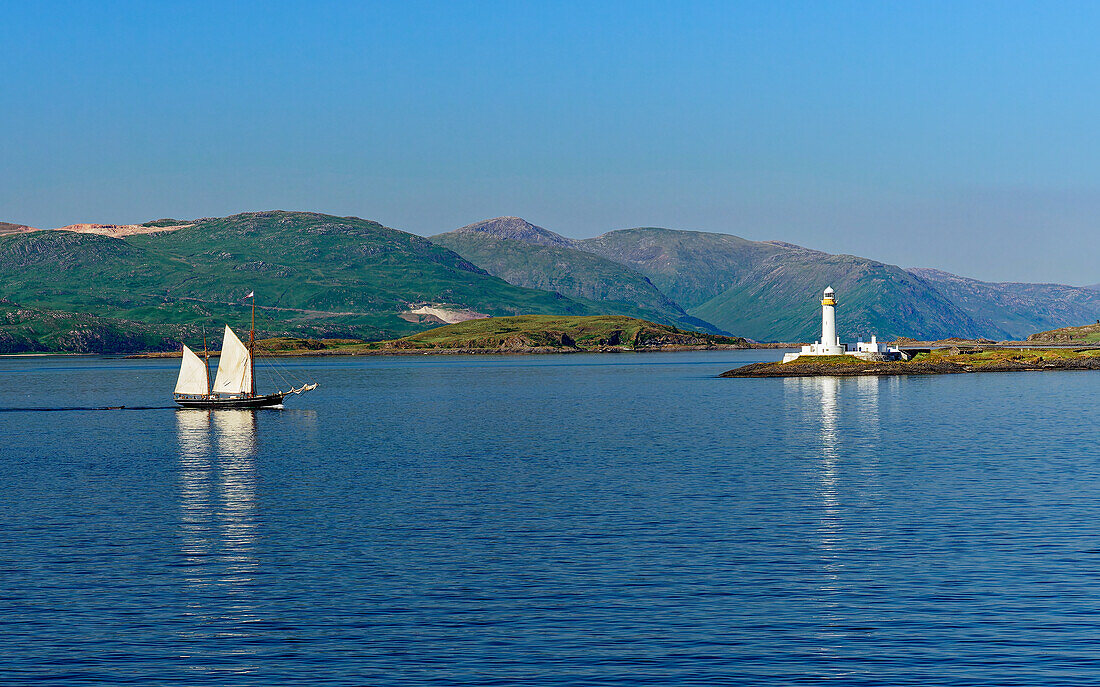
<point x="192" y="379"/>
<point x="234" y="368"/>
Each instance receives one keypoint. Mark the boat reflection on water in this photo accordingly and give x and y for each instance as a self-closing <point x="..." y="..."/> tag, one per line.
<point x="218" y="536"/>
<point x="196" y="517"/>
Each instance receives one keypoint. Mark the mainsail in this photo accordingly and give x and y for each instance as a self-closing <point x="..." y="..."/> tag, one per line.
<point x="192" y="379"/>
<point x="234" y="368"/>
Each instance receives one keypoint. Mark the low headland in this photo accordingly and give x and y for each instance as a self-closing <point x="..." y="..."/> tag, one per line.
<point x="1084" y="335"/>
<point x="951" y="360"/>
<point x="523" y="334"/>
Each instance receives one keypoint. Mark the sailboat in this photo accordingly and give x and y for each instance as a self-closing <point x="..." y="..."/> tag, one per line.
<point x="235" y="382"/>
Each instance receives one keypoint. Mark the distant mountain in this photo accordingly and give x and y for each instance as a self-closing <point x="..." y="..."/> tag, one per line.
<point x="690" y="267"/>
<point x="530" y="257"/>
<point x="1018" y="309"/>
<point x="314" y="274"/>
<point x="779" y="299"/>
<point x="1094" y="287"/>
<point x="323" y="276"/>
<point x="769" y="291"/>
<point x="516" y="229"/>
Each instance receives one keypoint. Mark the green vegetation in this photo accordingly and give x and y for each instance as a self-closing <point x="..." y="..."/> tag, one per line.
<point x="1087" y="334"/>
<point x="769" y="291"/>
<point x="39" y="330"/>
<point x="521" y="334"/>
<point x="537" y="331"/>
<point x="940" y="361"/>
<point x="314" y="275"/>
<point x="607" y="286"/>
<point x="781" y="296"/>
<point x="1013" y="310"/>
<point x="323" y="277"/>
<point x="690" y="267"/>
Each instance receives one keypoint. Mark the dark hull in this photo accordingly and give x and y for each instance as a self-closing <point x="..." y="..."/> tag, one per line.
<point x="232" y="403"/>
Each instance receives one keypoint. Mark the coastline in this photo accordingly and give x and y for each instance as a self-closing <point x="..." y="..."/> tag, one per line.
<point x="937" y="363"/>
<point x="536" y="350"/>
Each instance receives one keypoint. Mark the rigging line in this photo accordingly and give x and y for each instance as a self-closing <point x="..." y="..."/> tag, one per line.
<point x="273" y="365"/>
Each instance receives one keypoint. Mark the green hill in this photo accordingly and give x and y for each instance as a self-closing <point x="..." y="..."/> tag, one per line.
<point x="1088" y="334"/>
<point x="779" y="299"/>
<point x="314" y="275"/>
<point x="690" y="267"/>
<point x="543" y="331"/>
<point x="769" y="291"/>
<point x="605" y="285"/>
<point x="40" y="330"/>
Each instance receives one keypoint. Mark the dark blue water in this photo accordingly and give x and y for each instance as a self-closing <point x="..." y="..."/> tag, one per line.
<point x="554" y="520"/>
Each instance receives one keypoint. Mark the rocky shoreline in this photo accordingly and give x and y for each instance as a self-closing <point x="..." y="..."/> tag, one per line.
<point x="807" y="367"/>
<point x="533" y="350"/>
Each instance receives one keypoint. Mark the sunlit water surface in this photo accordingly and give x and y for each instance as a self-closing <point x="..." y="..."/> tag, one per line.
<point x="550" y="520"/>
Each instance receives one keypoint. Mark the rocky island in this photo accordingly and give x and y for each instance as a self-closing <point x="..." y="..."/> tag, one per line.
<point x="515" y="335"/>
<point x="942" y="361"/>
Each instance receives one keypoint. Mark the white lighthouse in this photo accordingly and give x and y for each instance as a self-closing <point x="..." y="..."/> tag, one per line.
<point x="830" y="342"/>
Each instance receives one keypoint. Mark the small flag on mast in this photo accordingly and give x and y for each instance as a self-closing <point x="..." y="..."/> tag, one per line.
<point x="251" y="294"/>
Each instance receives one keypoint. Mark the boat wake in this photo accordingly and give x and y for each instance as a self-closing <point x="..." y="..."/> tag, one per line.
<point x="50" y="410"/>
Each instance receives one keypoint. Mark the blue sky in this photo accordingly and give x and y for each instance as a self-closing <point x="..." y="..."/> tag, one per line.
<point x="954" y="135"/>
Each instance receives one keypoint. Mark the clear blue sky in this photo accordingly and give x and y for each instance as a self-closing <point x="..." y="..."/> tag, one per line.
<point x="955" y="135"/>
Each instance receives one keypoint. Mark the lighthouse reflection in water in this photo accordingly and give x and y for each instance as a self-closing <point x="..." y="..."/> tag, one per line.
<point x="842" y="467"/>
<point x="218" y="529"/>
<point x="843" y="413"/>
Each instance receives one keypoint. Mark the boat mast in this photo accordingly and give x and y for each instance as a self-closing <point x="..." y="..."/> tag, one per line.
<point x="206" y="357"/>
<point x="252" y="344"/>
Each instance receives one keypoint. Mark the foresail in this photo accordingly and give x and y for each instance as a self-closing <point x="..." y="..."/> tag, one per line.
<point x="234" y="368"/>
<point x="192" y="379"/>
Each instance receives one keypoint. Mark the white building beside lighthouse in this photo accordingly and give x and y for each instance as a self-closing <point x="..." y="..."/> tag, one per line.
<point x="830" y="342"/>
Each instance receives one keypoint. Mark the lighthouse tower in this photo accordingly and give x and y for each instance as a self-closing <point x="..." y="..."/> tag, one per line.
<point x="829" y="338"/>
<point x="830" y="342"/>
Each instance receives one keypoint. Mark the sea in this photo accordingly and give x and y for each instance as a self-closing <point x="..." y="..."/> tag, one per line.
<point x="586" y="519"/>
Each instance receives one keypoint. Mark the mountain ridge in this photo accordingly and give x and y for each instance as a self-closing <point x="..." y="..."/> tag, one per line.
<point x="605" y="284"/>
<point x="321" y="275"/>
<point x="516" y="229"/>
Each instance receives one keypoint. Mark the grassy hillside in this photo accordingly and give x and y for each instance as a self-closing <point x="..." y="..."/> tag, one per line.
<point x="771" y="291"/>
<point x="39" y="330"/>
<point x="533" y="331"/>
<point x="314" y="275"/>
<point x="1085" y="335"/>
<point x="606" y="285"/>
<point x="1013" y="308"/>
<point x="780" y="299"/>
<point x="690" y="267"/>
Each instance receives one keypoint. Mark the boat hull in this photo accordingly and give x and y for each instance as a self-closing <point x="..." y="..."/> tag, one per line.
<point x="232" y="403"/>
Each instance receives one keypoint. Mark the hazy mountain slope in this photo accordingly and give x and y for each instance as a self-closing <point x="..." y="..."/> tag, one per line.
<point x="609" y="286"/>
<point x="313" y="274"/>
<point x="690" y="267"/>
<point x="516" y="229"/>
<point x="770" y="290"/>
<point x="779" y="300"/>
<point x="1017" y="309"/>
